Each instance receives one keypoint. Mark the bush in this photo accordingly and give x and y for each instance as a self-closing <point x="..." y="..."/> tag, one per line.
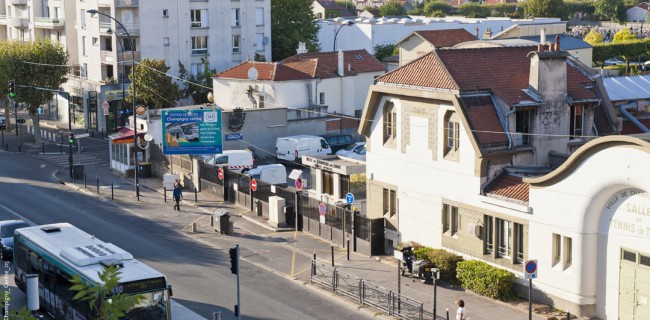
<point x="486" y="280"/>
<point x="443" y="260"/>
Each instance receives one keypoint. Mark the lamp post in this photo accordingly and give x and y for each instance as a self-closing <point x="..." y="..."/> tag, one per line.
<point x="110" y="31"/>
<point x="135" y="119"/>
<point x="343" y="24"/>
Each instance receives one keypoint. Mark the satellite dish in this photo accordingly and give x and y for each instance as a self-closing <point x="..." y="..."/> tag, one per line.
<point x="252" y="74"/>
<point x="265" y="40"/>
<point x="148" y="137"/>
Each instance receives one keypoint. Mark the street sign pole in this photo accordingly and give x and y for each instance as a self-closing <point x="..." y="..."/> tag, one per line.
<point x="530" y="299"/>
<point x="530" y="272"/>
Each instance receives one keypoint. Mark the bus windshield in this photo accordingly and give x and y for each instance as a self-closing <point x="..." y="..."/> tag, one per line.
<point x="152" y="306"/>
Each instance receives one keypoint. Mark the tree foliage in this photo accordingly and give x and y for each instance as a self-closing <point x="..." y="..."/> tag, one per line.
<point x="101" y="299"/>
<point x="292" y="21"/>
<point x="593" y="37"/>
<point x="392" y="8"/>
<point x="154" y="88"/>
<point x="544" y="8"/>
<point x="627" y="50"/>
<point x="197" y="86"/>
<point x="38" y="69"/>
<point x="611" y="10"/>
<point x="474" y="10"/>
<point x="385" y="50"/>
<point x="435" y="6"/>
<point x="623" y="35"/>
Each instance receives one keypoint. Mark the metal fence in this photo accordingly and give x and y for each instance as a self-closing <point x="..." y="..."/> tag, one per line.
<point x="368" y="293"/>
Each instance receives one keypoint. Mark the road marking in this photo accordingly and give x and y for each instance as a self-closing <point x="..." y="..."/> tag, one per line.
<point x="30" y="222"/>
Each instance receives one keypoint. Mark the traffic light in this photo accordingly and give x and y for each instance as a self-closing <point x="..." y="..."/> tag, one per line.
<point x="233" y="260"/>
<point x="236" y="311"/>
<point x="12" y="88"/>
<point x="71" y="137"/>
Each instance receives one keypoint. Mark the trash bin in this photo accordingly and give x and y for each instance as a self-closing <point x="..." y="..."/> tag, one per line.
<point x="222" y="221"/>
<point x="78" y="171"/>
<point x="144" y="170"/>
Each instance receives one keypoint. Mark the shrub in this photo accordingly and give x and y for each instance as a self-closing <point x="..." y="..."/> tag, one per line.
<point x="443" y="260"/>
<point x="486" y="280"/>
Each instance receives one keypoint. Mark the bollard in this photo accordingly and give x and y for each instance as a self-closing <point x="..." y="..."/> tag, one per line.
<point x="85" y="184"/>
<point x="19" y="147"/>
<point x="196" y="199"/>
<point x="332" y="249"/>
<point x="216" y="315"/>
<point x="447" y="309"/>
<point x="112" y="192"/>
<point x="92" y="134"/>
<point x="43" y="146"/>
<point x="102" y="133"/>
<point x="212" y="220"/>
<point x="568" y="314"/>
<point x="97" y="184"/>
<point x="348" y="246"/>
<point x="193" y="227"/>
<point x="165" y="193"/>
<point x="313" y="268"/>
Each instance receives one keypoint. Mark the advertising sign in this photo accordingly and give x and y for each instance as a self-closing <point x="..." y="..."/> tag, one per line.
<point x="192" y="131"/>
<point x="234" y="136"/>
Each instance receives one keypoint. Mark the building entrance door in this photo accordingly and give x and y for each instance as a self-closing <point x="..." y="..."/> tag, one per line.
<point x="634" y="288"/>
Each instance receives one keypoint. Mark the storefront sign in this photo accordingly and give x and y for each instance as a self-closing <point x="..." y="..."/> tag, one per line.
<point x="632" y="216"/>
<point x="192" y="131"/>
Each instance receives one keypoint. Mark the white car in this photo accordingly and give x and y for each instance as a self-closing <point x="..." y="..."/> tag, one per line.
<point x="614" y="62"/>
<point x="351" y="148"/>
<point x="359" y="154"/>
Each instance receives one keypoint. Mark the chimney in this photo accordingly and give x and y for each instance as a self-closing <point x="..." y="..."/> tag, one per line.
<point x="548" y="75"/>
<point x="557" y="42"/>
<point x="488" y="33"/>
<point x="476" y="32"/>
<point x="301" y="48"/>
<point x="542" y="36"/>
<point x="341" y="64"/>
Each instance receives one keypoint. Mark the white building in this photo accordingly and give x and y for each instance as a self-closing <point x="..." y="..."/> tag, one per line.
<point x="638" y="13"/>
<point x="367" y="33"/>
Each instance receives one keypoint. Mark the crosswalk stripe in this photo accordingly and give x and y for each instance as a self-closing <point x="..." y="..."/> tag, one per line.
<point x="63" y="159"/>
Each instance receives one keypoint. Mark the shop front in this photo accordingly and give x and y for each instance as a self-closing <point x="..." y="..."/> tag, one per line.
<point x="122" y="151"/>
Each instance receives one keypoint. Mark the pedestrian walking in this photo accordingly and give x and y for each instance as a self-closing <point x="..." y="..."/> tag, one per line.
<point x="178" y="194"/>
<point x="460" y="313"/>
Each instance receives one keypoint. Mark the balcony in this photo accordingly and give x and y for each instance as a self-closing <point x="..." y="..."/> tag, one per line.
<point x="17" y="22"/>
<point x="18" y="2"/>
<point x="3" y="19"/>
<point x="49" y="23"/>
<point x="128" y="56"/>
<point x="107" y="56"/>
<point x="104" y="3"/>
<point x="126" y="3"/>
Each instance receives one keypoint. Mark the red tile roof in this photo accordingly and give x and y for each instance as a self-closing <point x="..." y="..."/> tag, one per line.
<point x="445" y="38"/>
<point x="307" y="66"/>
<point x="426" y="71"/>
<point x="509" y="186"/>
<point x="631" y="128"/>
<point x="484" y="120"/>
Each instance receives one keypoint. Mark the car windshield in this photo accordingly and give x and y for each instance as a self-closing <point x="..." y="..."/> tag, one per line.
<point x="152" y="306"/>
<point x="8" y="231"/>
<point x="351" y="147"/>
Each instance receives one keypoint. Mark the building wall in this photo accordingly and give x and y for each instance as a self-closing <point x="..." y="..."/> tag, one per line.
<point x="636" y="14"/>
<point x="523" y="30"/>
<point x="413" y="48"/>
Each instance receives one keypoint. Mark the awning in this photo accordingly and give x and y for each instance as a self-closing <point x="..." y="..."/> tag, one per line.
<point x="124" y="136"/>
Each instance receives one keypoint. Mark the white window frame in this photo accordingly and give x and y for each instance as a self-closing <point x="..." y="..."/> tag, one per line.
<point x="199" y="45"/>
<point x="236" y="43"/>
<point x="235" y="17"/>
<point x="567" y="252"/>
<point x="556" y="249"/>
<point x="259" y="16"/>
<point x="450" y="220"/>
<point x="198" y="18"/>
<point x="504" y="238"/>
<point x="259" y="44"/>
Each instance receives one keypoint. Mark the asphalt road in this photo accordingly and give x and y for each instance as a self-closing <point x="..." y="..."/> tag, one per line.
<point x="198" y="272"/>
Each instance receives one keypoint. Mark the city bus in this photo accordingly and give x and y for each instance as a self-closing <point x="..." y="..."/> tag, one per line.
<point x="56" y="252"/>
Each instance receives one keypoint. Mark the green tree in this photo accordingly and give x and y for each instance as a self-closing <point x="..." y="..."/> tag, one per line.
<point x="21" y="314"/>
<point x="391" y="8"/>
<point x="347" y="4"/>
<point x="385" y="50"/>
<point x="474" y="10"/>
<point x="292" y="21"/>
<point x="154" y="88"/>
<point x="544" y="8"/>
<point x="436" y="6"/>
<point x="197" y="85"/>
<point x="593" y="37"/>
<point x="38" y="69"/>
<point x="623" y="35"/>
<point x="610" y="10"/>
<point x="100" y="298"/>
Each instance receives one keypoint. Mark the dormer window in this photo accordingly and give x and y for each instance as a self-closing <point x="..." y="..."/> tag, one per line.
<point x="390" y="124"/>
<point x="523" y="127"/>
<point x="577" y="121"/>
<point x="452" y="136"/>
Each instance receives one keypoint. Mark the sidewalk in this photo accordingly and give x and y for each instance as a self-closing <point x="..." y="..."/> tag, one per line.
<point x="292" y="251"/>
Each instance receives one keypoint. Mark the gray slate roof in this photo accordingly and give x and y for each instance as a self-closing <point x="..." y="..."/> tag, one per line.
<point x="567" y="42"/>
<point x="628" y="88"/>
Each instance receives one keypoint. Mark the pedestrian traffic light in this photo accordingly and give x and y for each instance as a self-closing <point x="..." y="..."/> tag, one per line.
<point x="12" y="88"/>
<point x="71" y="137"/>
<point x="233" y="260"/>
<point x="236" y="311"/>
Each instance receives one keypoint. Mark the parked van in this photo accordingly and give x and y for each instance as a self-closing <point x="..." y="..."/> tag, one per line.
<point x="270" y="173"/>
<point x="235" y="160"/>
<point x="294" y="147"/>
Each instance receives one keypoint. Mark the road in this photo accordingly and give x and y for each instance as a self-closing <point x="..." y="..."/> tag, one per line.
<point x="198" y="272"/>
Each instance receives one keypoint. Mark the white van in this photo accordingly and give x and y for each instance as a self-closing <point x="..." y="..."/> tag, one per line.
<point x="234" y="160"/>
<point x="270" y="173"/>
<point x="294" y="147"/>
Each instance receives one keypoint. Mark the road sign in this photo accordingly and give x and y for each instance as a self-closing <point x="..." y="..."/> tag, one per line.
<point x="254" y="185"/>
<point x="349" y="198"/>
<point x="321" y="209"/>
<point x="41" y="110"/>
<point x="299" y="184"/>
<point x="140" y="110"/>
<point x="220" y="173"/>
<point x="530" y="269"/>
<point x="82" y="135"/>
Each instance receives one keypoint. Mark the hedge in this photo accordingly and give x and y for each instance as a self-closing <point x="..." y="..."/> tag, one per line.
<point x="486" y="280"/>
<point x="444" y="260"/>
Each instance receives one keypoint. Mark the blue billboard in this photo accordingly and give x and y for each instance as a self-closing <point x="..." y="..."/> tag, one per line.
<point x="192" y="131"/>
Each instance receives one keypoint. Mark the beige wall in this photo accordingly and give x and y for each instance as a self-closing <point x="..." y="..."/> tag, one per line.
<point x="412" y="48"/>
<point x="531" y="30"/>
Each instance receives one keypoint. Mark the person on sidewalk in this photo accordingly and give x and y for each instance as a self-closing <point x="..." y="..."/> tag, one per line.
<point x="178" y="194"/>
<point x="460" y="313"/>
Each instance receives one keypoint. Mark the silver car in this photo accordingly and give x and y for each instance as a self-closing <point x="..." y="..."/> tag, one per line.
<point x="7" y="228"/>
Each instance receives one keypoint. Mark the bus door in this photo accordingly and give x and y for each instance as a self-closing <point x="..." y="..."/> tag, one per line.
<point x="47" y="286"/>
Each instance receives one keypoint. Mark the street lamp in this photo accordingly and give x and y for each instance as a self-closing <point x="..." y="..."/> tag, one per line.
<point x="135" y="119"/>
<point x="343" y="24"/>
<point x="110" y="31"/>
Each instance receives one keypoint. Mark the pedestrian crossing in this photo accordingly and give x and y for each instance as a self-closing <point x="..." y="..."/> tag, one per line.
<point x="63" y="160"/>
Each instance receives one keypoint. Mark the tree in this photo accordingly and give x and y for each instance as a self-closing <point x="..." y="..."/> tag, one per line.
<point x="21" y="314"/>
<point x="474" y="10"/>
<point x="432" y="7"/>
<point x="292" y="21"/>
<point x="197" y="85"/>
<point x="38" y="69"/>
<point x="385" y="50"/>
<point x="611" y="9"/>
<point x="623" y="35"/>
<point x="101" y="299"/>
<point x="153" y="87"/>
<point x="391" y="8"/>
<point x="593" y="37"/>
<point x="544" y="8"/>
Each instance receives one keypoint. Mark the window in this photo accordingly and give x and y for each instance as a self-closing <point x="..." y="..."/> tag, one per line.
<point x="489" y="235"/>
<point x="390" y="122"/>
<point x="259" y="16"/>
<point x="451" y="135"/>
<point x="199" y="45"/>
<point x="95" y="41"/>
<point x="234" y="15"/>
<point x="259" y="43"/>
<point x="557" y="248"/>
<point x="199" y="18"/>
<point x="328" y="182"/>
<point x="82" y="18"/>
<point x="568" y="252"/>
<point x="83" y="45"/>
<point x="504" y="238"/>
<point x="450" y="220"/>
<point x="260" y="102"/>
<point x="519" y="243"/>
<point x="321" y="98"/>
<point x="108" y="44"/>
<point x="235" y="43"/>
<point x="84" y="70"/>
<point x="166" y="41"/>
<point x="165" y="13"/>
<point x="522" y="125"/>
<point x="389" y="202"/>
<point x="197" y="68"/>
<point x="129" y="45"/>
<point x="577" y="121"/>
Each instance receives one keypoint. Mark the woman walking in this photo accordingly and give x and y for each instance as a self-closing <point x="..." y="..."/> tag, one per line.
<point x="178" y="194"/>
